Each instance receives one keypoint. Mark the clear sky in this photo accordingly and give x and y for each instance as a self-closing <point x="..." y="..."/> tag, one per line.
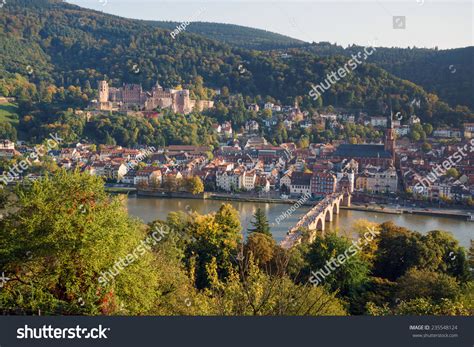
<point x="428" y="23"/>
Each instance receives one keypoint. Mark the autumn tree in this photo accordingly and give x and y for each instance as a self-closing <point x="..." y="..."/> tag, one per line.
<point x="194" y="185"/>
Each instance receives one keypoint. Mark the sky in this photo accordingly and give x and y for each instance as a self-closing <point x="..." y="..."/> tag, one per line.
<point x="426" y="23"/>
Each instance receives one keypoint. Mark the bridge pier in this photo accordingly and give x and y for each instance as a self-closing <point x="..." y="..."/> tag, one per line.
<point x="346" y="200"/>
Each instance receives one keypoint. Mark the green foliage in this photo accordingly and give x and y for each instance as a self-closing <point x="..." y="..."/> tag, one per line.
<point x="260" y="223"/>
<point x="236" y="35"/>
<point x="411" y="64"/>
<point x="471" y="256"/>
<point x="427" y="284"/>
<point x="123" y="130"/>
<point x="65" y="234"/>
<point x="452" y="172"/>
<point x="422" y="307"/>
<point x="347" y="278"/>
<point x="217" y="237"/>
<point x="261" y="246"/>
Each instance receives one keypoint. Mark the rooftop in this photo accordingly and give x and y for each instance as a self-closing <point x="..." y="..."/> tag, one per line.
<point x="361" y="151"/>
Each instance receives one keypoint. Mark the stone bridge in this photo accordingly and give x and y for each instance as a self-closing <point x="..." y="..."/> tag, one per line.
<point x="317" y="218"/>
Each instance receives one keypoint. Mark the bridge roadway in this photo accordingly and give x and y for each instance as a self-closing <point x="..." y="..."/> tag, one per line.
<point x="316" y="219"/>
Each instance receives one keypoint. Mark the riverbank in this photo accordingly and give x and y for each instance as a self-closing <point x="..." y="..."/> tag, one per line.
<point x="379" y="208"/>
<point x="221" y="197"/>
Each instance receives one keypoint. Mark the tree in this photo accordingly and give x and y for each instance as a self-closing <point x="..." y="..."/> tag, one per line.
<point x="427" y="284"/>
<point x="398" y="250"/>
<point x="194" y="185"/>
<point x="442" y="253"/>
<point x="261" y="246"/>
<point x="260" y="223"/>
<point x="422" y="307"/>
<point x="428" y="128"/>
<point x="346" y="276"/>
<point x="64" y="248"/>
<point x="452" y="172"/>
<point x="426" y="147"/>
<point x="415" y="135"/>
<point x="471" y="256"/>
<point x="217" y="237"/>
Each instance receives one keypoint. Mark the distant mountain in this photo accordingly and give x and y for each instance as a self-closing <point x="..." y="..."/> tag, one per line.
<point x="52" y="42"/>
<point x="237" y="35"/>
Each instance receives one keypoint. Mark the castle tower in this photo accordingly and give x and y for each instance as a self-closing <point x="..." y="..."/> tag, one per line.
<point x="390" y="138"/>
<point x="103" y="91"/>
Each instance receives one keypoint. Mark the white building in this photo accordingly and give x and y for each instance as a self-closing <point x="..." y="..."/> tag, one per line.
<point x="273" y="107"/>
<point x="403" y="130"/>
<point x="249" y="179"/>
<point x="447" y="133"/>
<point x="229" y="181"/>
<point x="7" y="144"/>
<point x="378" y="122"/>
<point x="383" y="181"/>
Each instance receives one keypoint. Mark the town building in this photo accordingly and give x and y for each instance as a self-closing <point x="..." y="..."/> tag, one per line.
<point x="323" y="183"/>
<point x="300" y="183"/>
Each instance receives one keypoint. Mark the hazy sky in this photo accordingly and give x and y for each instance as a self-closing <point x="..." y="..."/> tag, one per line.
<point x="428" y="23"/>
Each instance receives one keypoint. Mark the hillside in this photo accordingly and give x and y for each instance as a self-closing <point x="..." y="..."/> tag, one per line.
<point x="448" y="73"/>
<point x="52" y="42"/>
<point x="237" y="35"/>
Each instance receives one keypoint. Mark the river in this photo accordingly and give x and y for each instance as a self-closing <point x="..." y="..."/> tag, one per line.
<point x="149" y="209"/>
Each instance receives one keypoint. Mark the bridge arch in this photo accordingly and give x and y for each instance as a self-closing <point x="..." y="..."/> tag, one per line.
<point x="335" y="208"/>
<point x="328" y="214"/>
<point x="320" y="224"/>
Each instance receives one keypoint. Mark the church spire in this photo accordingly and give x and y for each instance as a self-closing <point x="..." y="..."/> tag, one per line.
<point x="390" y="136"/>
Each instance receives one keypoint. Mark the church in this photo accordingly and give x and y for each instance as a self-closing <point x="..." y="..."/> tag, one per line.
<point x="382" y="155"/>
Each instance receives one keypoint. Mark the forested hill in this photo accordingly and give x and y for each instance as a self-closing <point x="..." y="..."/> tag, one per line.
<point x="55" y="43"/>
<point x="448" y="73"/>
<point x="237" y="35"/>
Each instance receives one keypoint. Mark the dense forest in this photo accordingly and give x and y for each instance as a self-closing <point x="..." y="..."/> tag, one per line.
<point x="71" y="249"/>
<point x="237" y="35"/>
<point x="447" y="73"/>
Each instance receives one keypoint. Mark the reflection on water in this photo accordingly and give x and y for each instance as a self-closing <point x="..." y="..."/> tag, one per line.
<point x="149" y="209"/>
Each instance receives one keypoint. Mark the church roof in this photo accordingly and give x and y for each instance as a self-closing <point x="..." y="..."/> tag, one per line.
<point x="361" y="151"/>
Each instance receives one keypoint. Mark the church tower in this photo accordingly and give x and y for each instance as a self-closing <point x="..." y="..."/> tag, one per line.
<point x="390" y="137"/>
